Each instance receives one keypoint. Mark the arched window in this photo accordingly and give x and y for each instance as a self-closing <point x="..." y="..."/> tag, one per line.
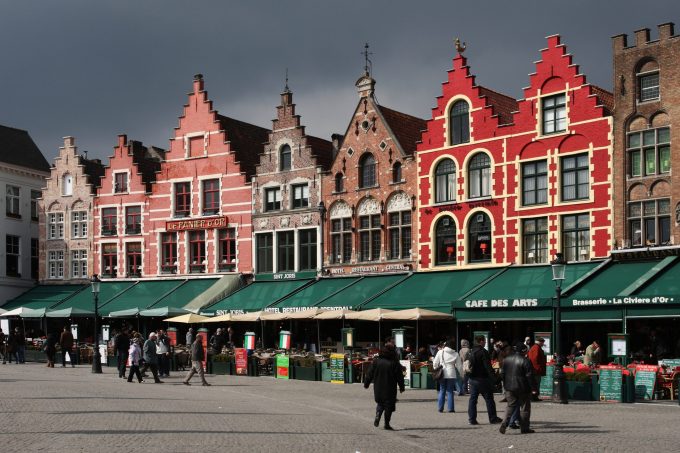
<point x="445" y="181"/>
<point x="459" y="122"/>
<point x="479" y="238"/>
<point x="648" y="81"/>
<point x="367" y="176"/>
<point x="284" y="158"/>
<point x="445" y="237"/>
<point x="396" y="172"/>
<point x="479" y="176"/>
<point x="339" y="183"/>
<point x="67" y="184"/>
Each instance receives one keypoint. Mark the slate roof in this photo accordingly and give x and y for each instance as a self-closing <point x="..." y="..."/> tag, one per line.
<point x="18" y="148"/>
<point x="322" y="150"/>
<point x="247" y="142"/>
<point x="94" y="170"/>
<point x="503" y="105"/>
<point x="406" y="128"/>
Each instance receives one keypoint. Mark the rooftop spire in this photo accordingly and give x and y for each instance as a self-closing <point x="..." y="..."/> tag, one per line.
<point x="286" y="89"/>
<point x="460" y="48"/>
<point x="368" y="64"/>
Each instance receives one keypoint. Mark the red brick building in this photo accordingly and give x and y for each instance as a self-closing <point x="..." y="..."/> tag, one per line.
<point x="647" y="94"/>
<point x="370" y="190"/>
<point x="191" y="205"/>
<point x="504" y="181"/>
<point x="286" y="192"/>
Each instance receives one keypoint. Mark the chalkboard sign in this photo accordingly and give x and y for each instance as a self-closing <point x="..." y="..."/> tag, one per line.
<point x="546" y="386"/>
<point x="338" y="368"/>
<point x="670" y="363"/>
<point x="611" y="381"/>
<point x="645" y="379"/>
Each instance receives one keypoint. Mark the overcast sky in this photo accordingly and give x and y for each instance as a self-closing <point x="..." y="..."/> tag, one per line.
<point x="95" y="69"/>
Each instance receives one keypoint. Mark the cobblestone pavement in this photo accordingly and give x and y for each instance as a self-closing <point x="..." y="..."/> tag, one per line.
<point x="70" y="409"/>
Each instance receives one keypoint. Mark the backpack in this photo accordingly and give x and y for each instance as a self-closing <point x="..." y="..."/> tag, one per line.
<point x="468" y="367"/>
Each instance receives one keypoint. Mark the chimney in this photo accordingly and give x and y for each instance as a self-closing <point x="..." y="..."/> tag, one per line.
<point x="287" y="97"/>
<point x="198" y="83"/>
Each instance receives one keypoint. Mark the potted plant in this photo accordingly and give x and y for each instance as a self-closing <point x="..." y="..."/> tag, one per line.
<point x="579" y="386"/>
<point x="305" y="368"/>
<point x="221" y="364"/>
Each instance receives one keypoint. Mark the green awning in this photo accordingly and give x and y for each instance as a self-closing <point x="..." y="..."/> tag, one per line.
<point x="653" y="312"/>
<point x="592" y="314"/>
<point x="538" y="314"/>
<point x="431" y="290"/>
<point x="84" y="300"/>
<point x="610" y="282"/>
<point x="256" y="296"/>
<point x="521" y="287"/>
<point x="365" y="288"/>
<point x="163" y="312"/>
<point x="185" y="293"/>
<point x="43" y="296"/>
<point x="315" y="293"/>
<point x="665" y="284"/>
<point x="142" y="295"/>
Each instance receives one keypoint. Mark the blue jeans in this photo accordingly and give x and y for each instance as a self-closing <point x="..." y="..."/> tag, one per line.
<point x="446" y="392"/>
<point x="481" y="386"/>
<point x="20" y="354"/>
<point x="515" y="416"/>
<point x="464" y="388"/>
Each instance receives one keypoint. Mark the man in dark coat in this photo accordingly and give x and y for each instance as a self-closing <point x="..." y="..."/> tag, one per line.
<point x="121" y="344"/>
<point x="519" y="385"/>
<point x="481" y="382"/>
<point x="66" y="343"/>
<point x="386" y="374"/>
<point x="150" y="357"/>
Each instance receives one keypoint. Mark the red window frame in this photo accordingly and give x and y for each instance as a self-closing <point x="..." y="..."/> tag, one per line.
<point x="109" y="259"/>
<point x="169" y="253"/>
<point x="227" y="249"/>
<point x="109" y="217"/>
<point x="133" y="220"/>
<point x="121" y="184"/>
<point x="211" y="196"/>
<point x="196" y="251"/>
<point x="182" y="199"/>
<point x="133" y="259"/>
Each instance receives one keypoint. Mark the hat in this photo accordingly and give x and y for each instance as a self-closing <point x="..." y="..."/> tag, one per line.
<point x="520" y="347"/>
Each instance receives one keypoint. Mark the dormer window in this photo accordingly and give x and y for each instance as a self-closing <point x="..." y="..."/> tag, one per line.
<point x="554" y="113"/>
<point x="285" y="158"/>
<point x="67" y="184"/>
<point x="459" y="122"/>
<point x="121" y="183"/>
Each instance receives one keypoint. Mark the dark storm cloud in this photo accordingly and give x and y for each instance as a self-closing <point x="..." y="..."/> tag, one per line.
<point x="94" y="69"/>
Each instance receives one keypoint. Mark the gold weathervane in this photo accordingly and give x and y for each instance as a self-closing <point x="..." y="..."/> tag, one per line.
<point x="460" y="48"/>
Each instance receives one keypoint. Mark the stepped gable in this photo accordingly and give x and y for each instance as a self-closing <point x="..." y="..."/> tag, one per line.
<point x="148" y="161"/>
<point x="606" y="98"/>
<point x="18" y="148"/>
<point x="407" y="129"/>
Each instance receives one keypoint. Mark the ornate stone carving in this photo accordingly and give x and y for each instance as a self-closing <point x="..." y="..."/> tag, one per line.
<point x="369" y="206"/>
<point x="263" y="224"/>
<point x="306" y="219"/>
<point x="399" y="202"/>
<point x="285" y="222"/>
<point x="340" y="210"/>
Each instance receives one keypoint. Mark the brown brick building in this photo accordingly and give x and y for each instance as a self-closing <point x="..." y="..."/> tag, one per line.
<point x="370" y="190"/>
<point x="646" y="188"/>
<point x="286" y="191"/>
<point x="66" y="217"/>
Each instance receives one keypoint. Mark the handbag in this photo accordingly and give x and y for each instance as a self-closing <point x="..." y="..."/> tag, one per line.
<point x="438" y="373"/>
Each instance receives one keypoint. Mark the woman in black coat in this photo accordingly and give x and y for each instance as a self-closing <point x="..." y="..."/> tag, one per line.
<point x="51" y="348"/>
<point x="386" y="374"/>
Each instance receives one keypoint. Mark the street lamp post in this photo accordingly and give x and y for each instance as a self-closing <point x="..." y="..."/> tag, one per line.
<point x="96" y="357"/>
<point x="559" y="392"/>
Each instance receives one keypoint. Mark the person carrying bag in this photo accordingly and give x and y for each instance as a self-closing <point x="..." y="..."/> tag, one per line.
<point x="451" y="364"/>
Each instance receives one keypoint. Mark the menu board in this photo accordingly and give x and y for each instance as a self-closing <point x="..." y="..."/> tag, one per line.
<point x="282" y="366"/>
<point x="645" y="379"/>
<point x="241" y="359"/>
<point x="406" y="364"/>
<point x="670" y="363"/>
<point x="546" y="387"/>
<point x="611" y="382"/>
<point x="337" y="368"/>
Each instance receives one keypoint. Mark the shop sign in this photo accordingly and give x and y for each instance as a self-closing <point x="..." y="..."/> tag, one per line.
<point x="298" y="309"/>
<point x="241" y="359"/>
<point x="196" y="224"/>
<point x="285" y="276"/>
<point x="631" y="300"/>
<point x="372" y="269"/>
<point x="503" y="303"/>
<point x="337" y="368"/>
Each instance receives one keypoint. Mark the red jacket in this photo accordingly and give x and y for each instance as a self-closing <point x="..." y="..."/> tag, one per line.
<point x="538" y="360"/>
